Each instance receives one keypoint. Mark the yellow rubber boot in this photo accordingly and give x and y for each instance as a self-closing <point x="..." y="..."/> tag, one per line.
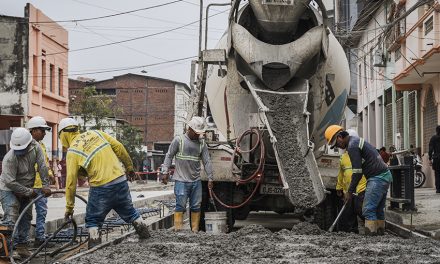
<point x="380" y="227"/>
<point x="370" y="227"/>
<point x="178" y="221"/>
<point x="195" y="221"/>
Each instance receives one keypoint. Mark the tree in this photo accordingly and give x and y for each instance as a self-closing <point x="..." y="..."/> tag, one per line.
<point x="93" y="108"/>
<point x="131" y="138"/>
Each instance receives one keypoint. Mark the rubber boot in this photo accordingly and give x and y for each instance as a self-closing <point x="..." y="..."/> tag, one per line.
<point x="195" y="221"/>
<point x="380" y="227"/>
<point x="23" y="251"/>
<point x="178" y="221"/>
<point x="370" y="227"/>
<point x="94" y="237"/>
<point x="141" y="227"/>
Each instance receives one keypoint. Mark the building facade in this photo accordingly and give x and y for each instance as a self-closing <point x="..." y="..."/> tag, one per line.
<point x="396" y="44"/>
<point x="33" y="72"/>
<point x="158" y="107"/>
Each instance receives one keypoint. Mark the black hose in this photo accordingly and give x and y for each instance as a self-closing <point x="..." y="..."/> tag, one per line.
<point x="11" y="251"/>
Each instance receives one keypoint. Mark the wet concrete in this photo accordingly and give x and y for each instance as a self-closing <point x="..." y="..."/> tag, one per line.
<point x="305" y="243"/>
<point x="287" y="121"/>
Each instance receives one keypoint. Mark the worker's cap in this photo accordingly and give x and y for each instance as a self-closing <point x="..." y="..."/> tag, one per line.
<point x="331" y="133"/>
<point x="352" y="132"/>
<point x="197" y="124"/>
<point x="20" y="139"/>
<point x="67" y="122"/>
<point x="37" y="122"/>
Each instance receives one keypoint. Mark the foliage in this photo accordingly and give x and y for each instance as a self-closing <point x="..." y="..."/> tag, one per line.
<point x="93" y="108"/>
<point x="131" y="138"/>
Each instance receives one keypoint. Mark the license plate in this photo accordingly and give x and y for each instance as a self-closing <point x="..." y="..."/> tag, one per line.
<point x="277" y="2"/>
<point x="271" y="189"/>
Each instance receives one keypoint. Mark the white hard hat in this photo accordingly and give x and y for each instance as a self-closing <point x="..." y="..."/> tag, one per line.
<point x="66" y="122"/>
<point x="37" y="122"/>
<point x="197" y="124"/>
<point x="352" y="132"/>
<point x="20" y="139"/>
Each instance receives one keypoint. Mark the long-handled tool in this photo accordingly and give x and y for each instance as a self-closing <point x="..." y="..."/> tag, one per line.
<point x="337" y="218"/>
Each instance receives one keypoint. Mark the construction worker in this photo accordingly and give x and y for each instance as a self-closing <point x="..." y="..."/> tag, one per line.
<point x="365" y="160"/>
<point x="16" y="182"/>
<point x="98" y="156"/>
<point x="434" y="157"/>
<point x="38" y="127"/>
<point x="353" y="209"/>
<point x="188" y="149"/>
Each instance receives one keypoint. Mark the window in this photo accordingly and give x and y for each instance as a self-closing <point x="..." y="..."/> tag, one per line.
<point x="365" y="72"/>
<point x="111" y="91"/>
<point x="360" y="76"/>
<point x="397" y="54"/>
<point x="52" y="77"/>
<point x="60" y="81"/>
<point x="429" y="25"/>
<point x="35" y="70"/>
<point x="43" y="74"/>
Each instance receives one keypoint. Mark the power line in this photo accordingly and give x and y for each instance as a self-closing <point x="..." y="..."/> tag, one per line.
<point x="121" y="41"/>
<point x="121" y="69"/>
<point x="107" y="16"/>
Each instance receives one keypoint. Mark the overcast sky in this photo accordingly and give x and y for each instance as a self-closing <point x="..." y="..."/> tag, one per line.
<point x="173" y="45"/>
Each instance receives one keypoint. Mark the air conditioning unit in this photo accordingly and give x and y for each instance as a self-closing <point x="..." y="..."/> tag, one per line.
<point x="379" y="58"/>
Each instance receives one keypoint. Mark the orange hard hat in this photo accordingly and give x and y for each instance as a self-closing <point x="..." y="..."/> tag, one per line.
<point x="331" y="131"/>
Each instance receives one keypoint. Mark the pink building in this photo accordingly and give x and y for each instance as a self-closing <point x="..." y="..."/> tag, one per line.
<point x="33" y="72"/>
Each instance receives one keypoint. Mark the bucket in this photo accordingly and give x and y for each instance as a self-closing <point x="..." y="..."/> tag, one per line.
<point x="215" y="222"/>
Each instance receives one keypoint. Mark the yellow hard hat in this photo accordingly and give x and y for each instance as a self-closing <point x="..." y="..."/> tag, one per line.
<point x="331" y="131"/>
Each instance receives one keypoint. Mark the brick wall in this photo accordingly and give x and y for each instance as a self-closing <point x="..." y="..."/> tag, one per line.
<point x="145" y="102"/>
<point x="429" y="119"/>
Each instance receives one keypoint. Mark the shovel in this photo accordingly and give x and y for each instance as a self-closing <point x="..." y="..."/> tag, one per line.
<point x="337" y="218"/>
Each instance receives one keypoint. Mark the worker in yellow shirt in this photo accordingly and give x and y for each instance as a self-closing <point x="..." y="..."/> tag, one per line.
<point x="38" y="127"/>
<point x="349" y="218"/>
<point x="98" y="156"/>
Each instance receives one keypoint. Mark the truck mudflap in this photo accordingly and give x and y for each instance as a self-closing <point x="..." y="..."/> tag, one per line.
<point x="286" y="118"/>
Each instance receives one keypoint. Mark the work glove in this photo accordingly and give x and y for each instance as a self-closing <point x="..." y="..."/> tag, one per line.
<point x="339" y="193"/>
<point x="131" y="176"/>
<point x="68" y="215"/>
<point x="46" y="191"/>
<point x="347" y="197"/>
<point x="210" y="184"/>
<point x="165" y="177"/>
<point x="32" y="195"/>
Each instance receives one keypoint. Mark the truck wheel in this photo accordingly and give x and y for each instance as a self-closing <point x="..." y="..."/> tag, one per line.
<point x="325" y="213"/>
<point x="242" y="213"/>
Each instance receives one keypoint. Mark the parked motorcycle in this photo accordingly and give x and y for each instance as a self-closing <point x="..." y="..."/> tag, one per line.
<point x="419" y="176"/>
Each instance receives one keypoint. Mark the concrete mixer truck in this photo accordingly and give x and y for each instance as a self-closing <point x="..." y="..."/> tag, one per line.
<point x="276" y="80"/>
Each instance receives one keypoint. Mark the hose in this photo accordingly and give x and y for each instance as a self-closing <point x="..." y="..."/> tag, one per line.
<point x="258" y="173"/>
<point x="11" y="251"/>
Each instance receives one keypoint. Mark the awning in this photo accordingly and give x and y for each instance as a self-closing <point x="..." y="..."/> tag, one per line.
<point x="411" y="79"/>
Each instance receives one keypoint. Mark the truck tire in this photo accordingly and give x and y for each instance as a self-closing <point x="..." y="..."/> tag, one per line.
<point x="325" y="213"/>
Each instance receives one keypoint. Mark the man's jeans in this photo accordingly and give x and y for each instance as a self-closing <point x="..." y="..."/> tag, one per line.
<point x="375" y="198"/>
<point x="185" y="190"/>
<point x="12" y="208"/>
<point x="40" y="221"/>
<point x="105" y="198"/>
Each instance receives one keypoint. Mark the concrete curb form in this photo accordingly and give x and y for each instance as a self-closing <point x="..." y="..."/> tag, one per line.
<point x="53" y="225"/>
<point x="402" y="231"/>
<point x="163" y="223"/>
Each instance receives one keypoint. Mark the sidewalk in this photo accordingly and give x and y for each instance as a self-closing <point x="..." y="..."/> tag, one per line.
<point x="427" y="218"/>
